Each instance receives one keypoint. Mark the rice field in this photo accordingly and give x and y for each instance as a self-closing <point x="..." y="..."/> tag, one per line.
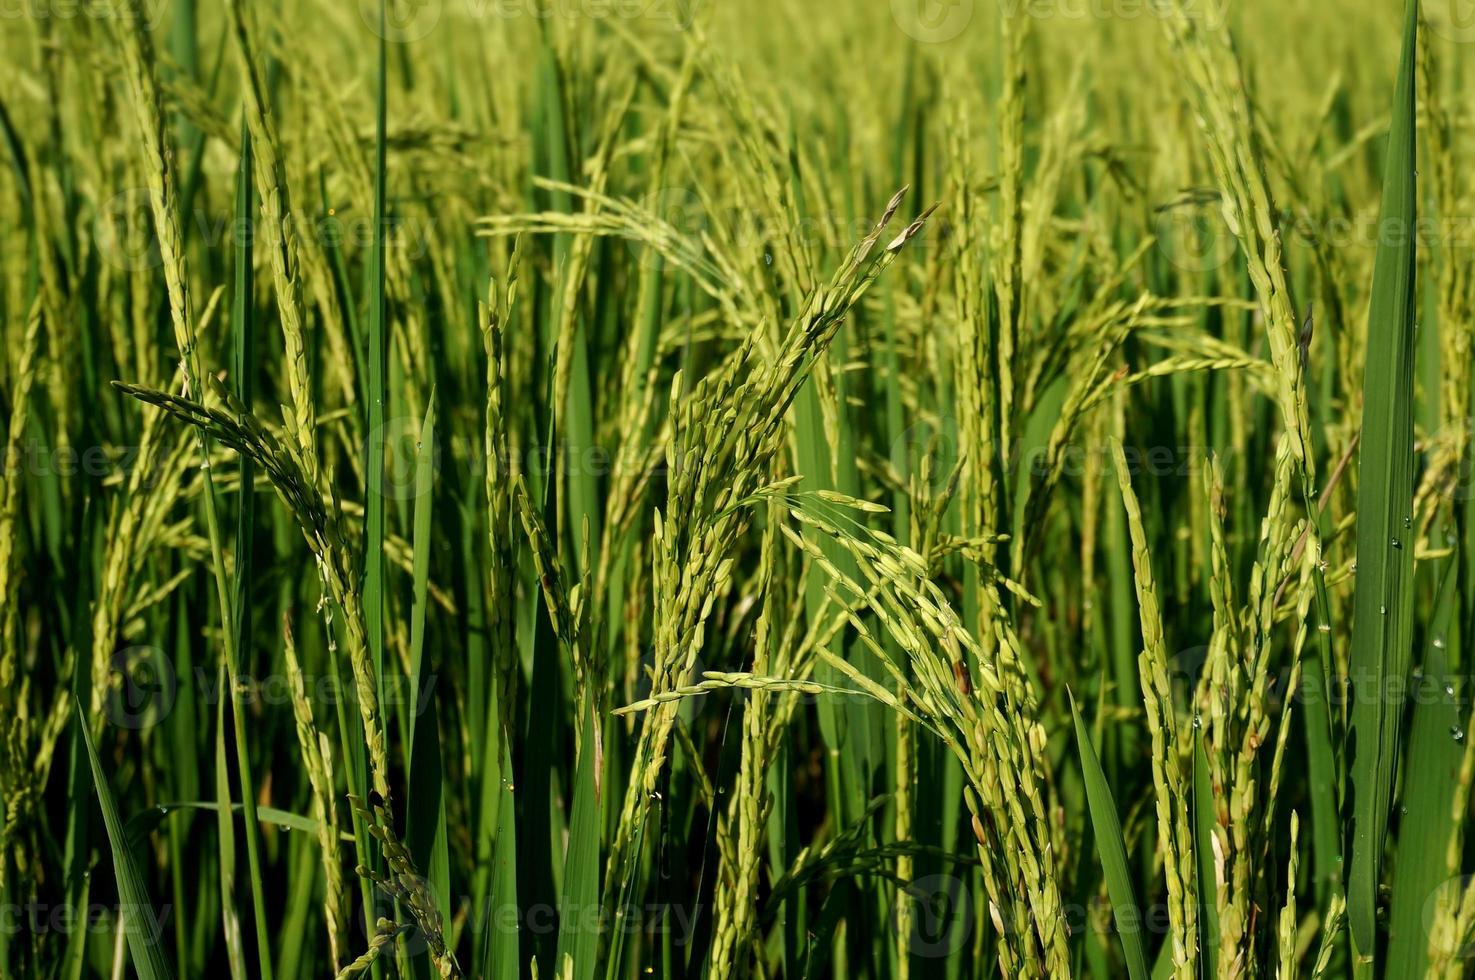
<point x="618" y="488"/>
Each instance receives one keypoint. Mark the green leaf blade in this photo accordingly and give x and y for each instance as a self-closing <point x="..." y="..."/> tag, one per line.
<point x="1383" y="607"/>
<point x="1112" y="850"/>
<point x="146" y="953"/>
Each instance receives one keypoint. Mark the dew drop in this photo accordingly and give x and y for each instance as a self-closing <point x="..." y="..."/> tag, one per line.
<point x="1408" y="522"/>
<point x="1457" y="733"/>
<point x="1397" y="544"/>
<point x="1383" y="610"/>
<point x="1439" y="643"/>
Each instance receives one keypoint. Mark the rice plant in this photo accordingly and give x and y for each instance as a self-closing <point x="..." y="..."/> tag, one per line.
<point x="673" y="488"/>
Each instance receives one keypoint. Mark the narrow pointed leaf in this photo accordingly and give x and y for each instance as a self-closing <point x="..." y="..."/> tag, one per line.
<point x="1112" y="850"/>
<point x="1382" y="622"/>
